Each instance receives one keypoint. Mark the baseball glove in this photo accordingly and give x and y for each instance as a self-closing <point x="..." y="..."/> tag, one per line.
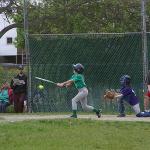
<point x="110" y="95"/>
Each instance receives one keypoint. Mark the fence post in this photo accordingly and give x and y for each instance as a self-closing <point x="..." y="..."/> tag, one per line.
<point x="26" y="34"/>
<point x="144" y="43"/>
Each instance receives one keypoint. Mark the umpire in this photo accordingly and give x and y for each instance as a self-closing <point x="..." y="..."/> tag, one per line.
<point x="19" y="86"/>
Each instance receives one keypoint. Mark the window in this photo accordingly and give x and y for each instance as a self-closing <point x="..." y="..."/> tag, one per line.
<point x="9" y="40"/>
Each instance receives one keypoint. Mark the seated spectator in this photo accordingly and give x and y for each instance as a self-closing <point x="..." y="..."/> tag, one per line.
<point x="6" y="97"/>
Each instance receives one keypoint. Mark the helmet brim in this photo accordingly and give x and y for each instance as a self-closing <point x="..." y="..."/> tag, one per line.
<point x="20" y="67"/>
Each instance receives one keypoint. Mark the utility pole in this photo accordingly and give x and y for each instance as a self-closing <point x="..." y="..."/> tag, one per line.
<point x="26" y="36"/>
<point x="144" y="42"/>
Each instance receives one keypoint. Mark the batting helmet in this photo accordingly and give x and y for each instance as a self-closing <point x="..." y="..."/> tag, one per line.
<point x="20" y="67"/>
<point x="125" y="80"/>
<point x="79" y="68"/>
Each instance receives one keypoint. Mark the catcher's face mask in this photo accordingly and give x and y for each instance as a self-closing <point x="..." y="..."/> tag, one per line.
<point x="125" y="80"/>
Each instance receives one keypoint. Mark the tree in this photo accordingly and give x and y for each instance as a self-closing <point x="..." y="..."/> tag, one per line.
<point x="8" y="7"/>
<point x="80" y="16"/>
<point x="69" y="16"/>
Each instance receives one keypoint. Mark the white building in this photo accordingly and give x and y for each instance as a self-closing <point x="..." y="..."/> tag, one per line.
<point x="7" y="47"/>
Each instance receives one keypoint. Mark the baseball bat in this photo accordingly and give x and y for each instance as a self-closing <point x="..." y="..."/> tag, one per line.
<point x="45" y="80"/>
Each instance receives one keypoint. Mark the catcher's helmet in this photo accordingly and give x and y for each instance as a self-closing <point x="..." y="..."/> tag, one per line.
<point x="125" y="80"/>
<point x="79" y="68"/>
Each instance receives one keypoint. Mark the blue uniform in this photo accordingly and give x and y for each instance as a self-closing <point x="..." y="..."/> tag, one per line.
<point x="129" y="96"/>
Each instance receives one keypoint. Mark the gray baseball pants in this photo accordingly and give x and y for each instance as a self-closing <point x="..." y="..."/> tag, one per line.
<point x="82" y="97"/>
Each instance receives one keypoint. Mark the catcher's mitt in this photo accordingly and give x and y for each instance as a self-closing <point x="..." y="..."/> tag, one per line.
<point x="110" y="95"/>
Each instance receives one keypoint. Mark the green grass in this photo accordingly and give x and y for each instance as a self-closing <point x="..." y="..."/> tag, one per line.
<point x="74" y="134"/>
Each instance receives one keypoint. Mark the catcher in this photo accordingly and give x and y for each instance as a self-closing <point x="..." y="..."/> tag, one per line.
<point x="126" y="94"/>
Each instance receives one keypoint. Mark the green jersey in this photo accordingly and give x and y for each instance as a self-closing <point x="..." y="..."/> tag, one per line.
<point x="78" y="80"/>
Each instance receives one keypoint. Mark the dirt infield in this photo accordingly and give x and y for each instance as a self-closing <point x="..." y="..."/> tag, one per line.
<point x="22" y="117"/>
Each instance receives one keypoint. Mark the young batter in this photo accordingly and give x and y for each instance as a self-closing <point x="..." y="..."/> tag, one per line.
<point x="78" y="80"/>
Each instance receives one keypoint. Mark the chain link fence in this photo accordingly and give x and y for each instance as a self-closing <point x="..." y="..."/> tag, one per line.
<point x="106" y="58"/>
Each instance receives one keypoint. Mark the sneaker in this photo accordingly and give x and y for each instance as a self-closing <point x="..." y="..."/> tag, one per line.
<point x="98" y="113"/>
<point x="143" y="114"/>
<point x="73" y="116"/>
<point x="121" y="115"/>
<point x="147" y="111"/>
<point x="140" y="114"/>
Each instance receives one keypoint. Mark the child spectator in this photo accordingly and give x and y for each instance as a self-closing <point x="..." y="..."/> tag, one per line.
<point x="6" y="97"/>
